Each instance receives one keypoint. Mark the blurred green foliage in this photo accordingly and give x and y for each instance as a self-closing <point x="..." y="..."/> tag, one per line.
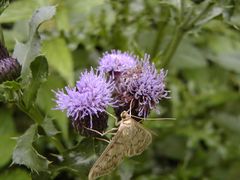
<point x="197" y="41"/>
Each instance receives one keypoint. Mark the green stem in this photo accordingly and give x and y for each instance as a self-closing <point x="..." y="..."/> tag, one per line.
<point x="36" y="115"/>
<point x="199" y="16"/>
<point x="180" y="32"/>
<point x="172" y="47"/>
<point x="159" y="38"/>
<point x="1" y="35"/>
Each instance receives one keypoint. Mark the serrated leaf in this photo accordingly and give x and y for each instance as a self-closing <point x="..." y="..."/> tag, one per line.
<point x="59" y="57"/>
<point x="46" y="103"/>
<point x="39" y="68"/>
<point x="26" y="52"/>
<point x="25" y="154"/>
<point x="80" y="158"/>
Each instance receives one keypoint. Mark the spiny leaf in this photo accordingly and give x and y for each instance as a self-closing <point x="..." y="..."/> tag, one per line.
<point x="26" y="53"/>
<point x="39" y="69"/>
<point x="25" y="154"/>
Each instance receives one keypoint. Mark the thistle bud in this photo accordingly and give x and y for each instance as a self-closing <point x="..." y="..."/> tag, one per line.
<point x="10" y="68"/>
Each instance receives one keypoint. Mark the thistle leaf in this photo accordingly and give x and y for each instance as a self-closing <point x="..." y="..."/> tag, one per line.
<point x="25" y="154"/>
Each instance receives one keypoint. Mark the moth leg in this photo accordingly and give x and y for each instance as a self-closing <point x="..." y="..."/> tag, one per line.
<point x="110" y="131"/>
<point x="117" y="123"/>
<point x="102" y="139"/>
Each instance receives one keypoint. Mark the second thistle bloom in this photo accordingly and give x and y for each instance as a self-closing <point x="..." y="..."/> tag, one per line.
<point x="116" y="62"/>
<point x="86" y="103"/>
<point x="142" y="87"/>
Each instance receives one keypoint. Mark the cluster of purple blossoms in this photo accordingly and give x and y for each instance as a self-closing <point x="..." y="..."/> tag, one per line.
<point x="134" y="84"/>
<point x="10" y="68"/>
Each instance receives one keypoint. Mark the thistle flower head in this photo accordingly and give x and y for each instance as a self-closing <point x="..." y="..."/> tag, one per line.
<point x="142" y="87"/>
<point x="10" y="68"/>
<point x="86" y="103"/>
<point x="117" y="62"/>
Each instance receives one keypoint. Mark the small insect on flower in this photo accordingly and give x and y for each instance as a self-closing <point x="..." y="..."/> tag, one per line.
<point x="87" y="102"/>
<point x="130" y="140"/>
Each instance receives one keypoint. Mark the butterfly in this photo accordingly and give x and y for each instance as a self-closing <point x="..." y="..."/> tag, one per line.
<point x="131" y="139"/>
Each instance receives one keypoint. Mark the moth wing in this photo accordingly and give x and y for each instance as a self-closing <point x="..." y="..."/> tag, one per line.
<point x="141" y="138"/>
<point x="112" y="156"/>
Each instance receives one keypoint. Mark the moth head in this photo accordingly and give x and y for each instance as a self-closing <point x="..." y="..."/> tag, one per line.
<point x="125" y="115"/>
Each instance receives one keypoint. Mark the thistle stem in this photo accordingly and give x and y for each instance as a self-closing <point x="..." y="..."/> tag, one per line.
<point x="1" y="36"/>
<point x="172" y="47"/>
<point x="181" y="30"/>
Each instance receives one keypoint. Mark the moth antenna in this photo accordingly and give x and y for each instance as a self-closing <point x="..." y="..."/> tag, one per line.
<point x="155" y="119"/>
<point x="130" y="108"/>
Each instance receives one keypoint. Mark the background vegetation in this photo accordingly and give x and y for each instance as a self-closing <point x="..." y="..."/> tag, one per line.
<point x="198" y="42"/>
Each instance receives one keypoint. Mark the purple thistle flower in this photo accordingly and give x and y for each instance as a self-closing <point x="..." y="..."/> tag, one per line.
<point x="86" y="103"/>
<point x="10" y="68"/>
<point x="117" y="62"/>
<point x="142" y="87"/>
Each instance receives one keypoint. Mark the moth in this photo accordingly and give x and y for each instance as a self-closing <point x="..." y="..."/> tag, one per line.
<point x="131" y="139"/>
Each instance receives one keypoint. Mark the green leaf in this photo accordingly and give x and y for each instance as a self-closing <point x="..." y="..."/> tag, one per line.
<point x="16" y="174"/>
<point x="49" y="127"/>
<point x="59" y="57"/>
<point x="18" y="10"/>
<point x="9" y="91"/>
<point x="79" y="160"/>
<point x="214" y="12"/>
<point x="26" y="52"/>
<point x="176" y="4"/>
<point x="39" y="68"/>
<point x="225" y="52"/>
<point x="25" y="154"/>
<point x="7" y="130"/>
<point x="13" y="85"/>
<point x="188" y="56"/>
<point x="228" y="121"/>
<point x="3" y="5"/>
<point x="62" y="18"/>
<point x="6" y="147"/>
<point x="46" y="103"/>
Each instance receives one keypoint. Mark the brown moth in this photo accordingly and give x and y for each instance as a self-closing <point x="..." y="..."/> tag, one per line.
<point x="131" y="139"/>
